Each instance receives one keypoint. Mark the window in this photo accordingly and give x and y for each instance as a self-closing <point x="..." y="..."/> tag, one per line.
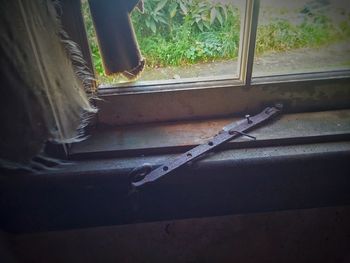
<point x="259" y="80"/>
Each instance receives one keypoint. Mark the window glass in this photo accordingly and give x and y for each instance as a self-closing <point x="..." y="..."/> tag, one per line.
<point x="182" y="39"/>
<point x="302" y="36"/>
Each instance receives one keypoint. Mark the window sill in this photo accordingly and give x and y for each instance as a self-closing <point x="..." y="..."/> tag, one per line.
<point x="176" y="137"/>
<point x="299" y="161"/>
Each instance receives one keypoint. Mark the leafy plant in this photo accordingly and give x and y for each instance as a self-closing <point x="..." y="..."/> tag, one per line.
<point x="171" y="13"/>
<point x="154" y="15"/>
<point x="96" y="56"/>
<point x="205" y="15"/>
<point x="191" y="31"/>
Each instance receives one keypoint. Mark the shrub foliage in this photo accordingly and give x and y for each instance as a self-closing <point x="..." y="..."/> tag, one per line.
<point x="178" y="32"/>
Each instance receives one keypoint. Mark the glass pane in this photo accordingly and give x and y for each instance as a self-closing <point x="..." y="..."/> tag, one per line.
<point x="181" y="39"/>
<point x="302" y="36"/>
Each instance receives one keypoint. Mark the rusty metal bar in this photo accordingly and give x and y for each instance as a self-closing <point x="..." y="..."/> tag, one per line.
<point x="141" y="177"/>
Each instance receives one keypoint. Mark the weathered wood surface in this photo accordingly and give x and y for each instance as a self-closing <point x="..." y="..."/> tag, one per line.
<point x="178" y="136"/>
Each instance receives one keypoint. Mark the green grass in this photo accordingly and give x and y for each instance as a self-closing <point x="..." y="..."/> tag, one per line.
<point x="185" y="32"/>
<point x="315" y="30"/>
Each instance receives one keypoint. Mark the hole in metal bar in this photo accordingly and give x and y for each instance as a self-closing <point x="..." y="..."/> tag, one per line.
<point x="139" y="173"/>
<point x="231" y="132"/>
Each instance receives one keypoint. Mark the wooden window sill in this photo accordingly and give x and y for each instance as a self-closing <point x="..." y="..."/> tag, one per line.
<point x="298" y="161"/>
<point x="176" y="137"/>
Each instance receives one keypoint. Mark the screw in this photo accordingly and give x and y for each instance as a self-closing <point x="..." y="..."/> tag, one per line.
<point x="248" y="118"/>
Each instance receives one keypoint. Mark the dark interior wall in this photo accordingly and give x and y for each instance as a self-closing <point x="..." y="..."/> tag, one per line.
<point x="6" y="254"/>
<point x="219" y="187"/>
<point x="274" y="209"/>
<point x="310" y="235"/>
